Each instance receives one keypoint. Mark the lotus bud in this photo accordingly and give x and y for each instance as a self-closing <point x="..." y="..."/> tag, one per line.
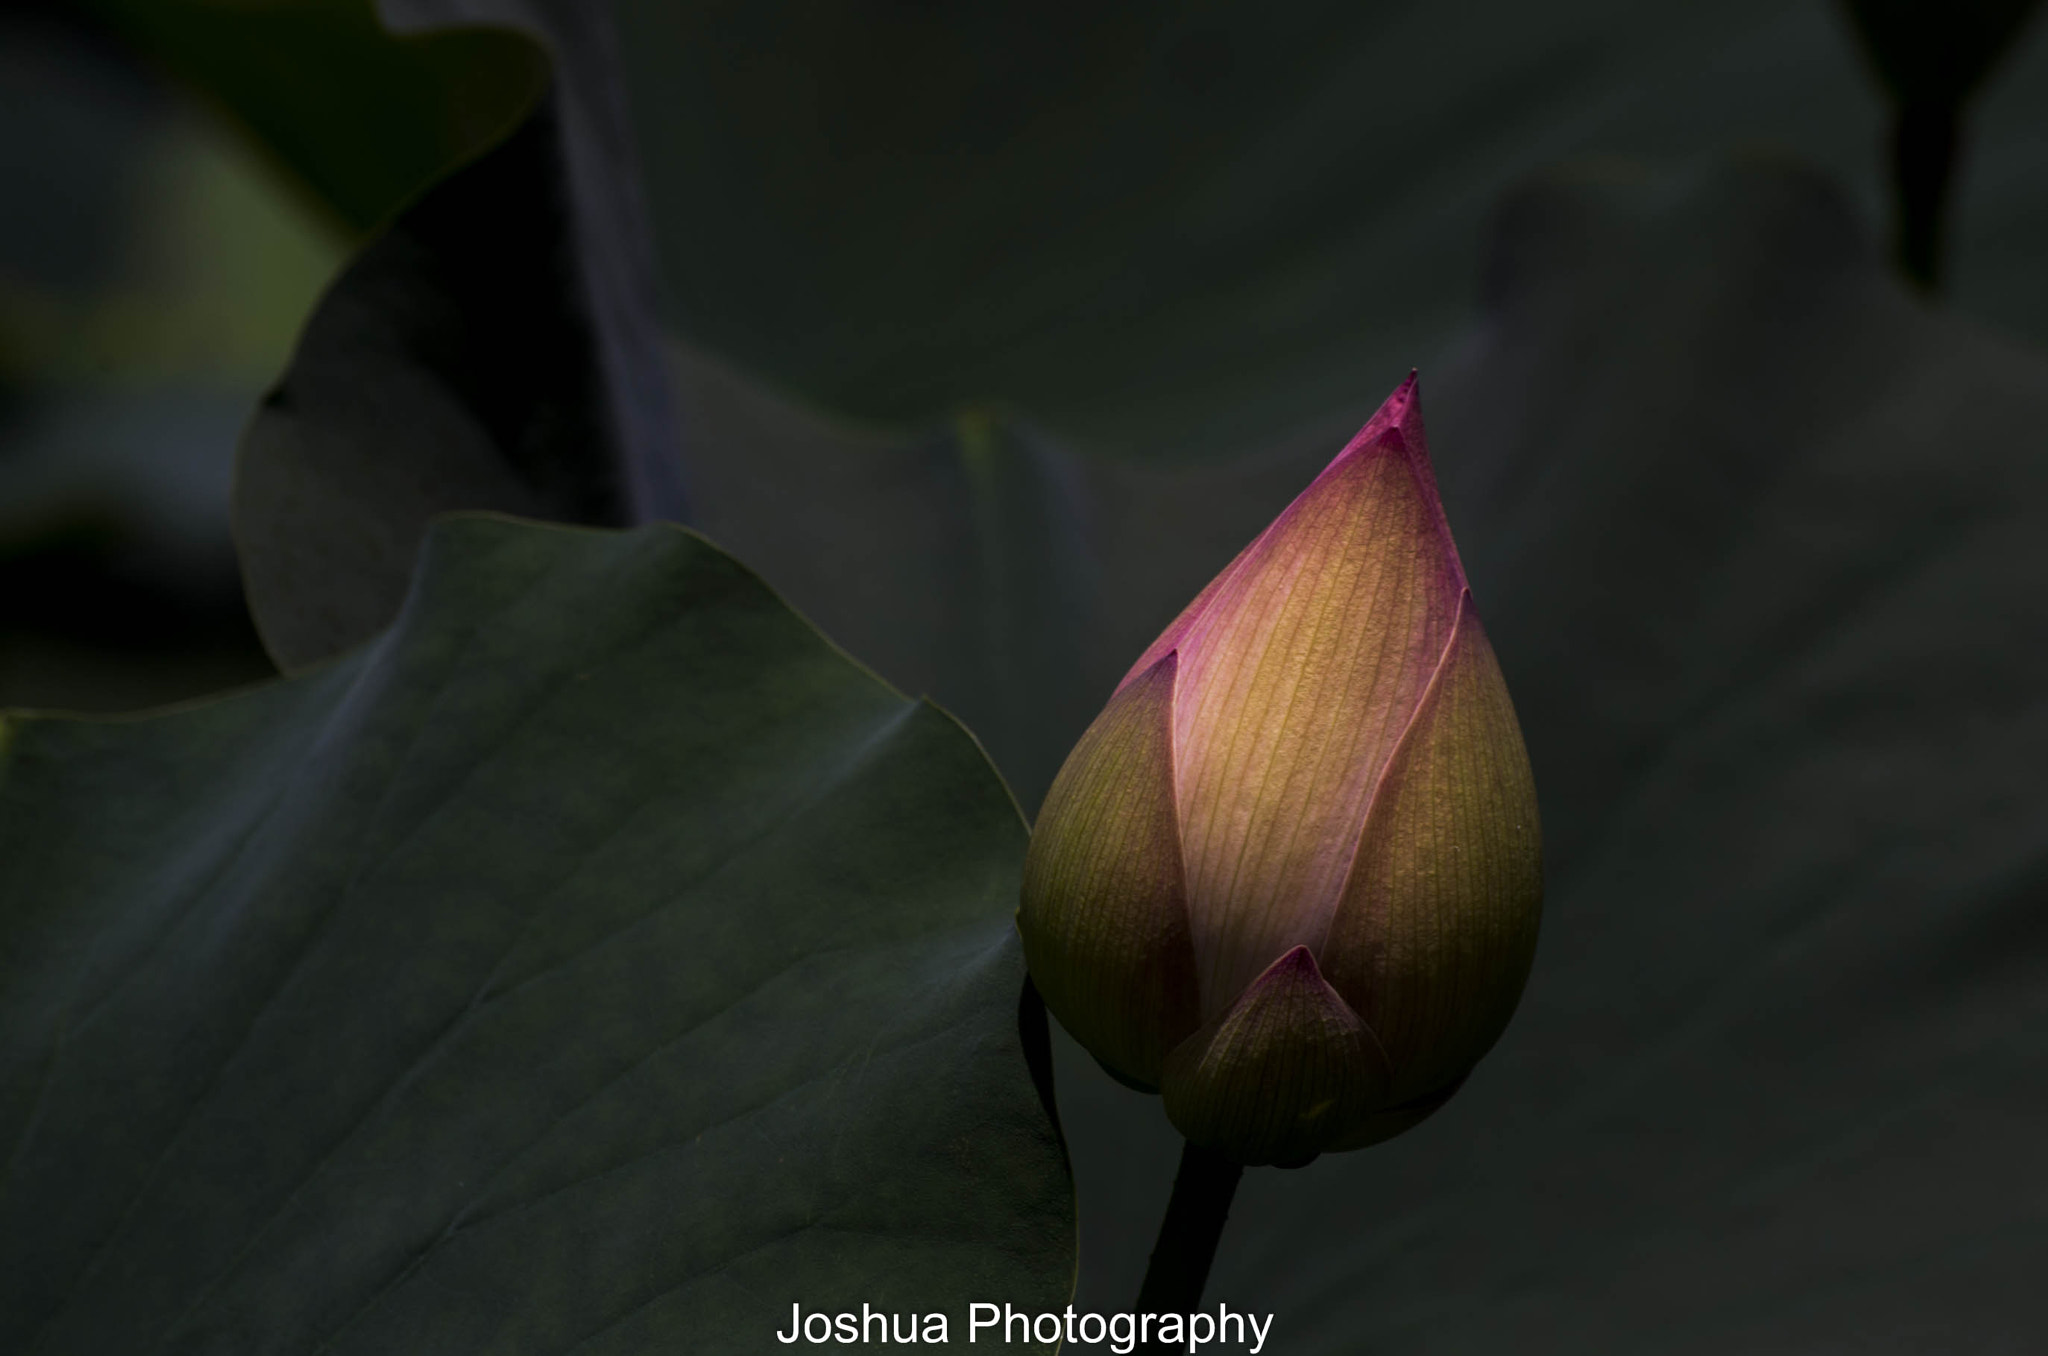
<point x="1291" y="875"/>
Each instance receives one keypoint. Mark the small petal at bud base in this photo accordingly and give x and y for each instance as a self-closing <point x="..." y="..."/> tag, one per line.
<point x="1277" y="1077"/>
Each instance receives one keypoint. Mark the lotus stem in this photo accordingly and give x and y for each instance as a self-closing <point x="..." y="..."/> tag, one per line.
<point x="1188" y="1235"/>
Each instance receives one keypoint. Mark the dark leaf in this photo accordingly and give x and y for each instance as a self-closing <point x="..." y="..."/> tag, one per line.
<point x="593" y="181"/>
<point x="1171" y="231"/>
<point x="366" y="121"/>
<point x="1079" y="243"/>
<point x="463" y="361"/>
<point x="1157" y="230"/>
<point x="600" y="961"/>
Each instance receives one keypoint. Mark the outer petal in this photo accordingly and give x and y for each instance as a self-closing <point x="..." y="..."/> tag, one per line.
<point x="1104" y="915"/>
<point x="1281" y="1076"/>
<point x="1437" y="930"/>
<point x="1299" y="669"/>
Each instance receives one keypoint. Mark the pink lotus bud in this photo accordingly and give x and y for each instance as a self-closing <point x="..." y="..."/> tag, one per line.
<point x="1291" y="876"/>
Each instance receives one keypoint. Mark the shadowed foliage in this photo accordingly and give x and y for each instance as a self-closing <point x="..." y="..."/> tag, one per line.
<point x="600" y="961"/>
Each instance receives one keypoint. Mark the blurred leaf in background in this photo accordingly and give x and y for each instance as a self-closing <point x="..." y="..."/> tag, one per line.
<point x="1157" y="230"/>
<point x="1131" y="239"/>
<point x="153" y="274"/>
<point x="451" y="366"/>
<point x="364" y="120"/>
<point x="1171" y="230"/>
<point x="360" y="121"/>
<point x="1155" y="235"/>
<point x="1182" y="251"/>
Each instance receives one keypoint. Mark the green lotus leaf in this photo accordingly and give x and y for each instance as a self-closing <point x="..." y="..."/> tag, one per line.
<point x="597" y="960"/>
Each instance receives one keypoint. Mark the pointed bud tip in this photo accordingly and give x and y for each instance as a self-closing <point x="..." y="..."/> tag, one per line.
<point x="1395" y="429"/>
<point x="1396" y="425"/>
